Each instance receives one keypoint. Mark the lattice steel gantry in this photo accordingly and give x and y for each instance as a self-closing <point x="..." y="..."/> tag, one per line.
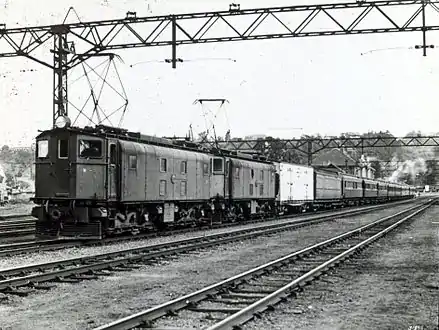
<point x="170" y="30"/>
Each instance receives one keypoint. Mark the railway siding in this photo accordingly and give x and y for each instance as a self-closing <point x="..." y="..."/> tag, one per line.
<point x="239" y="298"/>
<point x="126" y="292"/>
<point x="37" y="252"/>
<point x="394" y="285"/>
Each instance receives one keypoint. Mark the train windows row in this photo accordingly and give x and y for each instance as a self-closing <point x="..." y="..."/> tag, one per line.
<point x="89" y="148"/>
<point x="349" y="184"/>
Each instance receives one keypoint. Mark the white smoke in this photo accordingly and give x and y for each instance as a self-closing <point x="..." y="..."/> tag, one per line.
<point x="408" y="169"/>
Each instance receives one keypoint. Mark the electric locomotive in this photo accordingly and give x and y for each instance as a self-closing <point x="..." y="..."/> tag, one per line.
<point x="95" y="182"/>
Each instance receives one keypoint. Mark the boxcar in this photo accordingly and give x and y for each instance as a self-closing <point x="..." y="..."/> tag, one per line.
<point x="296" y="186"/>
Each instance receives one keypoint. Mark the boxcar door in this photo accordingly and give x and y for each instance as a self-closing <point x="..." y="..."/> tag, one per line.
<point x="112" y="170"/>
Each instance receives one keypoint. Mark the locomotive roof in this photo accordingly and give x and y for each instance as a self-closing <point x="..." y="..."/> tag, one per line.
<point x="123" y="134"/>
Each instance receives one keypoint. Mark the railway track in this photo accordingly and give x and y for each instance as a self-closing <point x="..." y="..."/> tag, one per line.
<point x="13" y="216"/>
<point x="17" y="225"/>
<point x="50" y="245"/>
<point x="27" y="279"/>
<point x="232" y="302"/>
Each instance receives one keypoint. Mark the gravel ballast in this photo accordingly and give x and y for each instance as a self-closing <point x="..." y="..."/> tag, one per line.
<point x="394" y="284"/>
<point x="92" y="303"/>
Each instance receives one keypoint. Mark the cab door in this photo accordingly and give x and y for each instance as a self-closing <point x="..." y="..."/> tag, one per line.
<point x="113" y="170"/>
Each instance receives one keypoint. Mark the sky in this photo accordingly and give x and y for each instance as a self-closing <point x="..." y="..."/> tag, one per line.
<point x="283" y="88"/>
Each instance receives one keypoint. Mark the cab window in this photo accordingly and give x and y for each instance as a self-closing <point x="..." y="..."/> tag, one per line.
<point x="43" y="148"/>
<point x="63" y="148"/>
<point x="90" y="148"/>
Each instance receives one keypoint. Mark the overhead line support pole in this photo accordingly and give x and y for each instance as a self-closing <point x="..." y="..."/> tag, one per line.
<point x="60" y="72"/>
<point x="174" y="41"/>
<point x="424" y="29"/>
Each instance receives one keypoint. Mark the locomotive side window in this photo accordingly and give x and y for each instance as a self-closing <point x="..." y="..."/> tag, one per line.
<point x="261" y="189"/>
<point x="162" y="188"/>
<point x="218" y="165"/>
<point x="206" y="169"/>
<point x="183" y="167"/>
<point x="63" y="148"/>
<point x="262" y="175"/>
<point x="113" y="158"/>
<point x="183" y="188"/>
<point x="163" y="164"/>
<point x="237" y="172"/>
<point x="90" y="148"/>
<point x="43" y="148"/>
<point x="251" y="189"/>
<point x="132" y="160"/>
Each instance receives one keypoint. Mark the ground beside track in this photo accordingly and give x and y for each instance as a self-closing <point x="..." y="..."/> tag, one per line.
<point x="393" y="285"/>
<point x="89" y="304"/>
<point x="19" y="208"/>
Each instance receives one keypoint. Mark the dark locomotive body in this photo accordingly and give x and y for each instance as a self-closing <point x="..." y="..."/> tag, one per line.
<point x="96" y="182"/>
<point x="102" y="181"/>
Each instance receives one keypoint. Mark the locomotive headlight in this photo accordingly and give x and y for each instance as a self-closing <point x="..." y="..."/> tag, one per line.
<point x="62" y="122"/>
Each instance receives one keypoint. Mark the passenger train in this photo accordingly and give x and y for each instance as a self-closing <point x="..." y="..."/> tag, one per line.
<point x="95" y="182"/>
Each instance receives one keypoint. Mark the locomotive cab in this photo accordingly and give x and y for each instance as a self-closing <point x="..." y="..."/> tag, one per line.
<point x="70" y="165"/>
<point x="53" y="170"/>
<point x="70" y="181"/>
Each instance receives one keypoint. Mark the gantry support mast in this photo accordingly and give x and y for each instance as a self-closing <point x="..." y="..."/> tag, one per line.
<point x="169" y="30"/>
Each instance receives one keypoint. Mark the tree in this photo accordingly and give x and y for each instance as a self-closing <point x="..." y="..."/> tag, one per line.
<point x="376" y="165"/>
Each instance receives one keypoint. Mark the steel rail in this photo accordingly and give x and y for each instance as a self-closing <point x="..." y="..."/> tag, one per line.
<point x="16" y="224"/>
<point x="36" y="246"/>
<point x="145" y="317"/>
<point x="48" y="245"/>
<point x="17" y="233"/>
<point x="13" y="216"/>
<point x="11" y="226"/>
<point x="86" y="265"/>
